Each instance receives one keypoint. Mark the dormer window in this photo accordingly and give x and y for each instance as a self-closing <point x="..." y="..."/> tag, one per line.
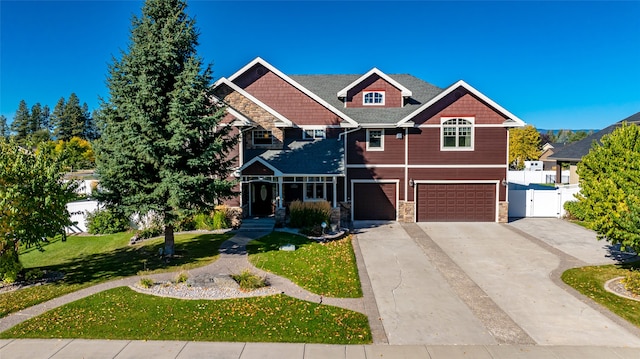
<point x="373" y="98"/>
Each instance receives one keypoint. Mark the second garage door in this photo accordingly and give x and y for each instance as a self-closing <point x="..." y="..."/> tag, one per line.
<point x="374" y="201"/>
<point x="456" y="202"/>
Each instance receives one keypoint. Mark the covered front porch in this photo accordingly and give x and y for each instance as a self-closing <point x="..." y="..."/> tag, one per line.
<point x="262" y="196"/>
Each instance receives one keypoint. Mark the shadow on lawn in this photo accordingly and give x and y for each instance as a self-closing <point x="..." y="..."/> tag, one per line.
<point x="128" y="261"/>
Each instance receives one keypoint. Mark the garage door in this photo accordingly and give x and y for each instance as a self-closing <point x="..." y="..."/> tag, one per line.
<point x="374" y="201"/>
<point x="459" y="202"/>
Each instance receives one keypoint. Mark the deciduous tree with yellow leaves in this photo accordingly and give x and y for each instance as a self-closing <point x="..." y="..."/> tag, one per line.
<point x="524" y="145"/>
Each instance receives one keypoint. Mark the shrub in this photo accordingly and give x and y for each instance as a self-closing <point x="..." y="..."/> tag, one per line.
<point x="146" y="282"/>
<point x="248" y="281"/>
<point x="33" y="274"/>
<point x="149" y="232"/>
<point x="181" y="277"/>
<point x="216" y="219"/>
<point x="10" y="266"/>
<point x="632" y="282"/>
<point x="574" y="211"/>
<point x="308" y="214"/>
<point x="185" y="224"/>
<point x="107" y="221"/>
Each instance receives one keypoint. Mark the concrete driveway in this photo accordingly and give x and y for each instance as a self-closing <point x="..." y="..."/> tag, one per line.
<point x="416" y="304"/>
<point x="416" y="272"/>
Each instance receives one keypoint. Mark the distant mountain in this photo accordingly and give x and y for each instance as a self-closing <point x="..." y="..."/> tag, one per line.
<point x="555" y="132"/>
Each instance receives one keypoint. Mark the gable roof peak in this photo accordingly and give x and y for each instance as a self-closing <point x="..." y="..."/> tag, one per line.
<point x="405" y="91"/>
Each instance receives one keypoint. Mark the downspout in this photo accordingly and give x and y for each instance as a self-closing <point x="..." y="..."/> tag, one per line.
<point x="344" y="169"/>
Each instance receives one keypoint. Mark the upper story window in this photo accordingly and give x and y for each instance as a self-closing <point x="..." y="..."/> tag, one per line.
<point x="375" y="140"/>
<point x="457" y="134"/>
<point x="262" y="137"/>
<point x="318" y="133"/>
<point x="372" y="98"/>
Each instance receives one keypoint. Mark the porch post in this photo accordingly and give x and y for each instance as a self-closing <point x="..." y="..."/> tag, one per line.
<point x="335" y="191"/>
<point x="280" y="194"/>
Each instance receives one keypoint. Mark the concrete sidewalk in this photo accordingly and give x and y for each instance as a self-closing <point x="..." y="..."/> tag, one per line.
<point x="121" y="349"/>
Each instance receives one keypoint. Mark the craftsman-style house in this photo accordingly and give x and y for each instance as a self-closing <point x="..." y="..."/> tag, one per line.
<point x="376" y="146"/>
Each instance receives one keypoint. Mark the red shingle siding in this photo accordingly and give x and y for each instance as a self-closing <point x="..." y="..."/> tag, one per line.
<point x="284" y="98"/>
<point x="459" y="103"/>
<point x="490" y="147"/>
<point x="392" y="95"/>
<point x="379" y="173"/>
<point x="393" y="148"/>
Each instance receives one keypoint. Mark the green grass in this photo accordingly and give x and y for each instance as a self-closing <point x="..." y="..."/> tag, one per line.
<point x="121" y="313"/>
<point x="87" y="260"/>
<point x="590" y="282"/>
<point x="327" y="269"/>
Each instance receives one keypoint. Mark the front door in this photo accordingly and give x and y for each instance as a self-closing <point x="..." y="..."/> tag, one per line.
<point x="262" y="199"/>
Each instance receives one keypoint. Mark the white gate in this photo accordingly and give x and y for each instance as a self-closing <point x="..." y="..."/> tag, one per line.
<point x="540" y="202"/>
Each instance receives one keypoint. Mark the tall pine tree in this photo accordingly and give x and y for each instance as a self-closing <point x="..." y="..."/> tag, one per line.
<point x="20" y="124"/>
<point x="159" y="148"/>
<point x="4" y="128"/>
<point x="59" y="122"/>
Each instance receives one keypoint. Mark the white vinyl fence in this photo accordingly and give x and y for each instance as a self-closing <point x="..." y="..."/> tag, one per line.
<point x="540" y="202"/>
<point x="78" y="214"/>
<point x="527" y="177"/>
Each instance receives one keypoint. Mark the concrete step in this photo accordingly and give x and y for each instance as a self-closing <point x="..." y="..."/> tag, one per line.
<point x="257" y="225"/>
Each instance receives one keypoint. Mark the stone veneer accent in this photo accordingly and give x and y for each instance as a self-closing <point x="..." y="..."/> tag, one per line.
<point x="503" y="212"/>
<point x="406" y="211"/>
<point x="280" y="216"/>
<point x="257" y="114"/>
<point x="334" y="218"/>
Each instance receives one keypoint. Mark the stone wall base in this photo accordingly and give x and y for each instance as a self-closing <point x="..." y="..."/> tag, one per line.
<point x="406" y="211"/>
<point x="503" y="212"/>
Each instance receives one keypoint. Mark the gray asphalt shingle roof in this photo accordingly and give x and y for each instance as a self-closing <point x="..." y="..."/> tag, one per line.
<point x="327" y="87"/>
<point x="310" y="157"/>
<point x="575" y="151"/>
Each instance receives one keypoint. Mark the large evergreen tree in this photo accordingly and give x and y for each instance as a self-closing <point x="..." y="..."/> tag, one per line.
<point x="60" y="122"/>
<point x="20" y="124"/>
<point x="39" y="123"/>
<point x="4" y="128"/>
<point x="159" y="148"/>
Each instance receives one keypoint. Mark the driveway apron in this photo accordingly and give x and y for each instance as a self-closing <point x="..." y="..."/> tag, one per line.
<point x="514" y="272"/>
<point x="416" y="304"/>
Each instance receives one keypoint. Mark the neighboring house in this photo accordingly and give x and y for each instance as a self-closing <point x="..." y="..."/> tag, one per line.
<point x="548" y="149"/>
<point x="376" y="146"/>
<point x="572" y="153"/>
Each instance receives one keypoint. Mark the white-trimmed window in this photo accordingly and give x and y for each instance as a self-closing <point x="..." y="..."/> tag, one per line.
<point x="373" y="98"/>
<point x="262" y="137"/>
<point x="315" y="189"/>
<point x="375" y="140"/>
<point x="314" y="133"/>
<point x="457" y="134"/>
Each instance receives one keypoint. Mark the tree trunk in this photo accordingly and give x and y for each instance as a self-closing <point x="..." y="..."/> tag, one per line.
<point x="168" y="240"/>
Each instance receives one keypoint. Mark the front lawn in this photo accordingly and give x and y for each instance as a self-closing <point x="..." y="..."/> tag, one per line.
<point x="121" y="313"/>
<point x="327" y="269"/>
<point x="590" y="282"/>
<point x="88" y="260"/>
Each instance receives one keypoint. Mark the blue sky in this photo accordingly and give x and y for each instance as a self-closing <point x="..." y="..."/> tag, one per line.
<point x="555" y="65"/>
